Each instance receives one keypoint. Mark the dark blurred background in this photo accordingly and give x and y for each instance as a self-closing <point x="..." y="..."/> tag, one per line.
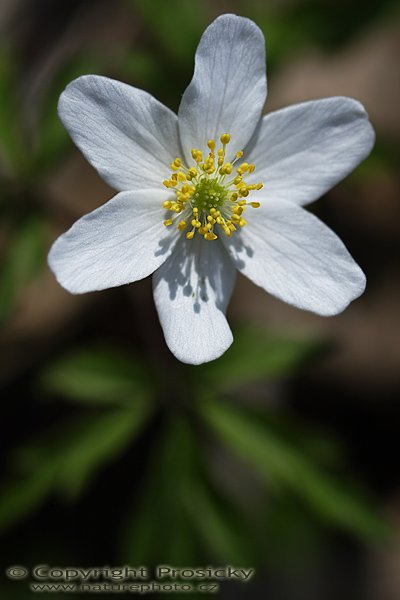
<point x="283" y="454"/>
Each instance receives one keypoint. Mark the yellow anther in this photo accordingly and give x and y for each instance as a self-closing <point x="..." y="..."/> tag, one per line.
<point x="197" y="155"/>
<point x="190" y="235"/>
<point x="242" y="223"/>
<point x="252" y="168"/>
<point x="176" y="164"/>
<point x="167" y="204"/>
<point x="237" y="210"/>
<point x="225" y="138"/>
<point x="239" y="154"/>
<point x="182" y="225"/>
<point x="181" y="176"/>
<point x="243" y="168"/>
<point x="210" y="236"/>
<point x="226" y="169"/>
<point x="168" y="222"/>
<point x="259" y="186"/>
<point x="191" y="174"/>
<point x="167" y="183"/>
<point x="255" y="204"/>
<point x="211" y="144"/>
<point x="208" y="165"/>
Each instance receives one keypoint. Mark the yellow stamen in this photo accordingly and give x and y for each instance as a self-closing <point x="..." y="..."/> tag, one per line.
<point x="205" y="196"/>
<point x="182" y="225"/>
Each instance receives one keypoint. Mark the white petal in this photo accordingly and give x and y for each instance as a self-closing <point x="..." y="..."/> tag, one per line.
<point x="292" y="255"/>
<point x="127" y="135"/>
<point x="191" y="291"/>
<point x="122" y="241"/>
<point x="228" y="89"/>
<point x="301" y="151"/>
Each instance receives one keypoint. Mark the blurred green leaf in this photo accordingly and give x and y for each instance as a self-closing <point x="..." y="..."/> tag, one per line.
<point x="159" y="530"/>
<point x="257" y="355"/>
<point x="23" y="261"/>
<point x="180" y="516"/>
<point x="142" y="68"/>
<point x="282" y="466"/>
<point x="97" y="376"/>
<point x="98" y="441"/>
<point x="291" y="27"/>
<point x="314" y="441"/>
<point x="68" y="460"/>
<point x="223" y="530"/>
<point x="20" y="497"/>
<point x="176" y="24"/>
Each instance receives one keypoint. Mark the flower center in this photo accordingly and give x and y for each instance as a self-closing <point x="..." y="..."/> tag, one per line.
<point x="208" y="196"/>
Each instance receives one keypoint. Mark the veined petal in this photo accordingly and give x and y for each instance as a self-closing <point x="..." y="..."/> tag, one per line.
<point x="125" y="133"/>
<point x="228" y="89"/>
<point x="122" y="241"/>
<point x="191" y="292"/>
<point x="303" y="150"/>
<point x="294" y="256"/>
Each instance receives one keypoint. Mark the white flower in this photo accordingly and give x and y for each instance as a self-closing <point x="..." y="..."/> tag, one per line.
<point x="134" y="142"/>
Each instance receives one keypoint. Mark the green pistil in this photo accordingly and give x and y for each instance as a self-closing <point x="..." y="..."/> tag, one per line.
<point x="209" y="194"/>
